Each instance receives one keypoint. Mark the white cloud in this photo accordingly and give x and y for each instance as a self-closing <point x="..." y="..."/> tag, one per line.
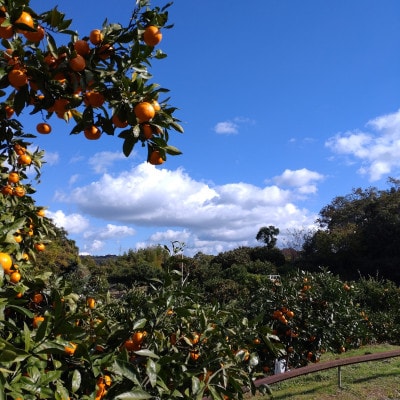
<point x="103" y="160"/>
<point x="303" y="180"/>
<point x="72" y="223"/>
<point x="226" y="127"/>
<point x="377" y="150"/>
<point x="110" y="232"/>
<point x="51" y="158"/>
<point x="205" y="215"/>
<point x="93" y="247"/>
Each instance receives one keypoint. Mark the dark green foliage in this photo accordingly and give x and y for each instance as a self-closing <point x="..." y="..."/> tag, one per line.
<point x="359" y="235"/>
<point x="268" y="235"/>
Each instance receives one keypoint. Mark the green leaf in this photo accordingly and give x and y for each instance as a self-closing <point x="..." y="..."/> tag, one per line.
<point x="128" y="146"/>
<point x="20" y="99"/>
<point x="146" y="353"/>
<point x="76" y="380"/>
<point x="136" y="394"/>
<point x="51" y="43"/>
<point x="151" y="370"/>
<point x="173" y="151"/>
<point x="177" y="127"/>
<point x="141" y="323"/>
<point x="21" y="310"/>
<point x="126" y="370"/>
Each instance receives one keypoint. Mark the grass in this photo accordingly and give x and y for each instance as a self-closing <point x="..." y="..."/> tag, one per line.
<point x="375" y="380"/>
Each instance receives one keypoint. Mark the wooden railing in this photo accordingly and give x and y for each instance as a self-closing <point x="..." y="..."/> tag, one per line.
<point x="326" y="365"/>
<point x="269" y="380"/>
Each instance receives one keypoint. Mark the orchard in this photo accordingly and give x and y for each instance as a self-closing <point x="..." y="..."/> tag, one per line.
<point x="162" y="341"/>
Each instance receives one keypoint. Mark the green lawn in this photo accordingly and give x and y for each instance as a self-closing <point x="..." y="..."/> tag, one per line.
<point x="375" y="380"/>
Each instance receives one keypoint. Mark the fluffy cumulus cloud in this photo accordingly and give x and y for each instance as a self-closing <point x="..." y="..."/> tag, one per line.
<point x="73" y="223"/>
<point x="209" y="217"/>
<point x="231" y="127"/>
<point x="110" y="231"/>
<point x="377" y="149"/>
<point x="226" y="127"/>
<point x="303" y="179"/>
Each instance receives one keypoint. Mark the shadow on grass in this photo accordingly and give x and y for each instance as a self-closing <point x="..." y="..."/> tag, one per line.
<point x="322" y="385"/>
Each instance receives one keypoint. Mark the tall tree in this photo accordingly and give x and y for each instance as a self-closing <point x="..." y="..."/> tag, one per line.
<point x="268" y="235"/>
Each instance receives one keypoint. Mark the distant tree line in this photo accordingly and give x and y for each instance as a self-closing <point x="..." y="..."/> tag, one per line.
<point x="358" y="236"/>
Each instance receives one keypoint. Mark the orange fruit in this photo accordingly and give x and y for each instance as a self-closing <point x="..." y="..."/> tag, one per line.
<point x="40" y="247"/>
<point x="118" y="122"/>
<point x="7" y="31"/>
<point x="19" y="191"/>
<point x="107" y="380"/>
<point x="19" y="149"/>
<point x="41" y="212"/>
<point x="17" y="78"/>
<point x="194" y="355"/>
<point x="130" y="345"/>
<point x="59" y="106"/>
<point x="9" y="111"/>
<point x="96" y="37"/>
<point x="43" y="128"/>
<point x="91" y="302"/>
<point x="155" y="158"/>
<point x="147" y="131"/>
<point x="92" y="133"/>
<point x="94" y="99"/>
<point x="13" y="177"/>
<point x="24" y="159"/>
<point x="152" y="35"/>
<point x="6" y="262"/>
<point x="7" y="190"/>
<point x="26" y="19"/>
<point x="37" y="320"/>
<point x="195" y="338"/>
<point x="15" y="277"/>
<point x="35" y="36"/>
<point x="82" y="47"/>
<point x="105" y="51"/>
<point x="138" y="337"/>
<point x="37" y="298"/>
<point x="144" y="111"/>
<point x="18" y="238"/>
<point x="77" y="63"/>
<point x="70" y="349"/>
<point x="156" y="105"/>
<point x="290" y="314"/>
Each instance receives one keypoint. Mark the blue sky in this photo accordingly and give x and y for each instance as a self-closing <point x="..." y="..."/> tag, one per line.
<point x="285" y="105"/>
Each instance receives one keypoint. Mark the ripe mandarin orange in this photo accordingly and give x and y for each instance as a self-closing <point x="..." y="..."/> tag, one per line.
<point x="35" y="36"/>
<point x="6" y="31"/>
<point x="82" y="47"/>
<point x="155" y="158"/>
<point x="24" y="159"/>
<point x="144" y="111"/>
<point x="96" y="37"/>
<point x="77" y="63"/>
<point x="92" y="132"/>
<point x="13" y="177"/>
<point x="43" y="128"/>
<point x="26" y="19"/>
<point x="118" y="122"/>
<point x="152" y="35"/>
<point x="17" y="78"/>
<point x="5" y="261"/>
<point x="15" y="277"/>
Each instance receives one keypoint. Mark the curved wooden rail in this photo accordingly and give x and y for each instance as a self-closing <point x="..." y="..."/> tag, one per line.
<point x="326" y="365"/>
<point x="321" y="367"/>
